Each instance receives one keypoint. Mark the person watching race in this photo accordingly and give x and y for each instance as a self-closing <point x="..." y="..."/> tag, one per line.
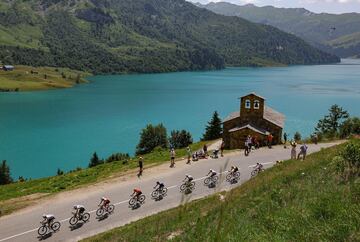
<point x="137" y="192"/>
<point x="159" y="186"/>
<point x="104" y="202"/>
<point x="48" y="219"/>
<point x="79" y="210"/>
<point x="211" y="173"/>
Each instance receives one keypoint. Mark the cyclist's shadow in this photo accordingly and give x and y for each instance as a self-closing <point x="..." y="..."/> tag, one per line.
<point x="135" y="206"/>
<point x="44" y="237"/>
<point x="76" y="226"/>
<point x="102" y="217"/>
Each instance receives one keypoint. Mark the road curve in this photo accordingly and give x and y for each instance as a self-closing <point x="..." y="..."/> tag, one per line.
<point x="23" y="225"/>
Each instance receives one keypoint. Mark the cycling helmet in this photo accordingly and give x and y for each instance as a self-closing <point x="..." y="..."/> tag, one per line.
<point x="75" y="207"/>
<point x="187" y="175"/>
<point x="44" y="215"/>
<point x="211" y="170"/>
<point x="103" y="198"/>
<point x="157" y="182"/>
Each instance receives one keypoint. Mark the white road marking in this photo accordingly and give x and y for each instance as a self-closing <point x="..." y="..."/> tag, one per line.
<point x="266" y="163"/>
<point x="92" y="211"/>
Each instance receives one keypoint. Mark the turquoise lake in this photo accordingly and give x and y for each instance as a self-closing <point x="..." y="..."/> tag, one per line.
<point x="43" y="131"/>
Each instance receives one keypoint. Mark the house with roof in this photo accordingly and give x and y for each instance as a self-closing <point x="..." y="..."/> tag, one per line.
<point x="254" y="118"/>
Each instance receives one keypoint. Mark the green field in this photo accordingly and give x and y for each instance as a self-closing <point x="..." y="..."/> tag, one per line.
<point x="29" y="191"/>
<point x="294" y="201"/>
<point x="27" y="78"/>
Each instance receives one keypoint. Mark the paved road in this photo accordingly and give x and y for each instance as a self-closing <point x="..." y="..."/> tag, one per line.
<point x="22" y="226"/>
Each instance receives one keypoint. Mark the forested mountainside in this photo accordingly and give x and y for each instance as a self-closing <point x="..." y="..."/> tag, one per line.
<point x="335" y="33"/>
<point x="115" y="36"/>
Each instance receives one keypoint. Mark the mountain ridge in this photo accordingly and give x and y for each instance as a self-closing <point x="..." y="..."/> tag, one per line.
<point x="319" y="29"/>
<point x="109" y="36"/>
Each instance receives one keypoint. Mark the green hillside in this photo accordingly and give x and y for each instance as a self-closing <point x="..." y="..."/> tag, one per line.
<point x="108" y="36"/>
<point x="293" y="201"/>
<point x="317" y="29"/>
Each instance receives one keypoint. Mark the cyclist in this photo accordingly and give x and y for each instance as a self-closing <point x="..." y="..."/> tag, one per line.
<point x="212" y="173"/>
<point x="159" y="186"/>
<point x="79" y="210"/>
<point x="234" y="169"/>
<point x="137" y="192"/>
<point x="259" y="167"/>
<point x="48" y="218"/>
<point x="188" y="179"/>
<point x="104" y="202"/>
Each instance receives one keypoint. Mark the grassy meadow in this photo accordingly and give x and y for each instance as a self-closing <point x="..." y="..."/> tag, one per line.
<point x="27" y="78"/>
<point x="293" y="201"/>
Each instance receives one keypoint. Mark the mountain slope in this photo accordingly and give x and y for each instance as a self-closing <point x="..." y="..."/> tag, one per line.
<point x="317" y="29"/>
<point x="105" y="36"/>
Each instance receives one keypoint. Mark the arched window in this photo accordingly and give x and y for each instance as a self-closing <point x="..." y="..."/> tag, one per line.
<point x="256" y="104"/>
<point x="247" y="103"/>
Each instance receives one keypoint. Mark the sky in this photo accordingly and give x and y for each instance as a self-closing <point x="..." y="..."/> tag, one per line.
<point x="317" y="6"/>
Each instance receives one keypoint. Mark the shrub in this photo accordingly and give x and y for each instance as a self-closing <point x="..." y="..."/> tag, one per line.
<point x="151" y="137"/>
<point x="180" y="139"/>
<point x="59" y="172"/>
<point x="297" y="136"/>
<point x="349" y="127"/>
<point x="117" y="157"/>
<point x="348" y="162"/>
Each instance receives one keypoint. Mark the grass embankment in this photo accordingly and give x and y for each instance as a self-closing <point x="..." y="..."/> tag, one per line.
<point x="27" y="78"/>
<point x="294" y="201"/>
<point x="28" y="191"/>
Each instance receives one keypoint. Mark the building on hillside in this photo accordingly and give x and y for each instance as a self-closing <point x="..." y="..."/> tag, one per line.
<point x="255" y="119"/>
<point x="8" y="68"/>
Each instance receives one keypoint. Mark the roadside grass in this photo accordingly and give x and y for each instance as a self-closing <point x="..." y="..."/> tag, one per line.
<point x="293" y="201"/>
<point x="24" y="191"/>
<point x="42" y="78"/>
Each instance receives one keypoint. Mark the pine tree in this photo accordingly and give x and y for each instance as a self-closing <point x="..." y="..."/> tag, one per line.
<point x="5" y="177"/>
<point x="331" y="123"/>
<point x="94" y="161"/>
<point x="213" y="130"/>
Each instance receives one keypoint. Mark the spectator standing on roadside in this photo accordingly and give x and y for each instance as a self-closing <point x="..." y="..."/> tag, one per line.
<point x="141" y="166"/>
<point x="222" y="147"/>
<point x="270" y="140"/>
<point x="293" y="149"/>
<point x="188" y="151"/>
<point x="205" y="150"/>
<point x="303" y="150"/>
<point x="285" y="140"/>
<point x="172" y="157"/>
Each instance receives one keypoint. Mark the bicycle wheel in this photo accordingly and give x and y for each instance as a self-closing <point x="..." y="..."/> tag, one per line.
<point x="132" y="201"/>
<point x="99" y="212"/>
<point x="253" y="173"/>
<point x="164" y="191"/>
<point x="207" y="181"/>
<point x="229" y="177"/>
<point x="215" y="179"/>
<point x="110" y="208"/>
<point x="237" y="174"/>
<point x="42" y="230"/>
<point x="182" y="187"/>
<point x="192" y="186"/>
<point x="155" y="194"/>
<point x="246" y="152"/>
<point x="73" y="220"/>
<point x="142" y="198"/>
<point x="55" y="226"/>
<point x="85" y="217"/>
